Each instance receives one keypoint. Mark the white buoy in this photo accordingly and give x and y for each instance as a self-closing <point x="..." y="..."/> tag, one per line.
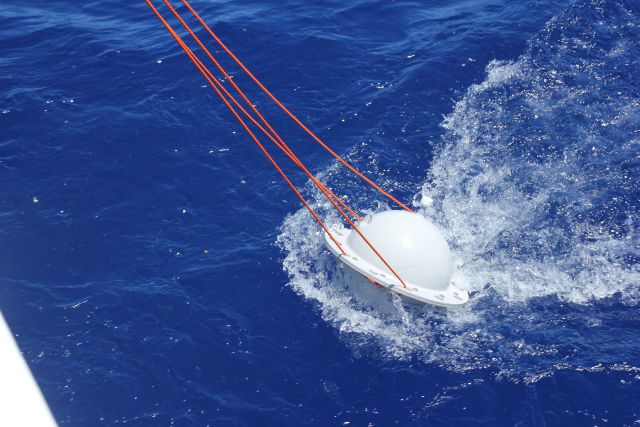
<point x="412" y="246"/>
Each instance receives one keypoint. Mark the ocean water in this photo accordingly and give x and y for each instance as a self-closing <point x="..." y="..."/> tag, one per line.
<point x="156" y="271"/>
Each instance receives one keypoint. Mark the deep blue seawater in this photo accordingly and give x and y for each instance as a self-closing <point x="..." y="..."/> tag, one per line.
<point x="156" y="271"/>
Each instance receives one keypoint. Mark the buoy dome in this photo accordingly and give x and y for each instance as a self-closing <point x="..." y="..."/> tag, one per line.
<point x="410" y="243"/>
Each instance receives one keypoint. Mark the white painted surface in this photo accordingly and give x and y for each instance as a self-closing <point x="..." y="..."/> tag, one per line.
<point x="21" y="402"/>
<point x="412" y="246"/>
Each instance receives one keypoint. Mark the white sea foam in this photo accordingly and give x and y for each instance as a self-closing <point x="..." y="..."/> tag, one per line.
<point x="532" y="193"/>
<point x="501" y="234"/>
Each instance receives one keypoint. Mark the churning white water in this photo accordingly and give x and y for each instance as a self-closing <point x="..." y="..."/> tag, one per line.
<point x="535" y="187"/>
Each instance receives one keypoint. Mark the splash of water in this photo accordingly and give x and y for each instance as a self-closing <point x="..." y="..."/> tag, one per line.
<point x="537" y="183"/>
<point x="536" y="189"/>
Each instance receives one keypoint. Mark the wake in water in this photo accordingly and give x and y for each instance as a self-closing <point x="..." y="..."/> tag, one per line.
<point x="537" y="183"/>
<point x="536" y="187"/>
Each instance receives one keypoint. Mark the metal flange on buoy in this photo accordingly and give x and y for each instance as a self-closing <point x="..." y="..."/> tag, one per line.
<point x="412" y="245"/>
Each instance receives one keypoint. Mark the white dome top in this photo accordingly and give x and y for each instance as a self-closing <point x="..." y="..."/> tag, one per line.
<point x="412" y="246"/>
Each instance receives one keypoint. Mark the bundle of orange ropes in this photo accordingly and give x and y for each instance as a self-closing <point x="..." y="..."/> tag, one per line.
<point x="254" y="118"/>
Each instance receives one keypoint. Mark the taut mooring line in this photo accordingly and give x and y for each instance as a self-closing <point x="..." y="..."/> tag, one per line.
<point x="289" y="113"/>
<point x="223" y="93"/>
<point x="201" y="67"/>
<point x="280" y="142"/>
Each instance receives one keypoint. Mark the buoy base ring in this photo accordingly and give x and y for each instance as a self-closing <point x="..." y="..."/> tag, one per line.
<point x="449" y="297"/>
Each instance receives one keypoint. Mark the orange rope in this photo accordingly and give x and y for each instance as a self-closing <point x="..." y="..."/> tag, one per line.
<point x="289" y="113"/>
<point x="330" y="196"/>
<point x="197" y="62"/>
<point x="280" y="143"/>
